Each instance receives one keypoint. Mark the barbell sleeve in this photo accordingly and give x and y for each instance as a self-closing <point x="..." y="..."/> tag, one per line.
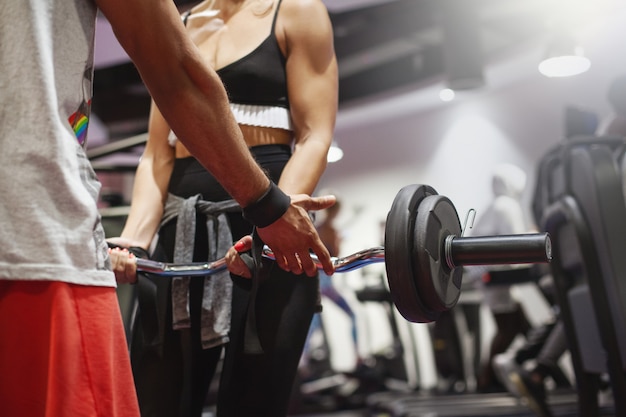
<point x="458" y="251"/>
<point x="498" y="250"/>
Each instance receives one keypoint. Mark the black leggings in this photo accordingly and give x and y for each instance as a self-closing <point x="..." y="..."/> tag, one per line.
<point x="173" y="372"/>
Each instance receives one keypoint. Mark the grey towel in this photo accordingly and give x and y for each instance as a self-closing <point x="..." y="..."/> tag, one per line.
<point x="216" y="301"/>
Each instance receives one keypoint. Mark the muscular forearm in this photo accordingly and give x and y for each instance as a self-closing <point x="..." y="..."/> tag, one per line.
<point x="305" y="168"/>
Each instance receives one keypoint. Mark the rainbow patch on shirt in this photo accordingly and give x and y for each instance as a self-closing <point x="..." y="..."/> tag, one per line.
<point x="79" y="122"/>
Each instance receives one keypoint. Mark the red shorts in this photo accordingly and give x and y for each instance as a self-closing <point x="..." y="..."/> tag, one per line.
<point x="63" y="352"/>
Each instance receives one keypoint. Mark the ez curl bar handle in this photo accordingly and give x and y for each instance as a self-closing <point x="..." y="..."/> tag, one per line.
<point x="457" y="251"/>
<point x="345" y="264"/>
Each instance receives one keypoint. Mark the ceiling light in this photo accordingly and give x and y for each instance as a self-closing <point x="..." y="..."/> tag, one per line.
<point x="564" y="59"/>
<point x="446" y="94"/>
<point x="335" y="153"/>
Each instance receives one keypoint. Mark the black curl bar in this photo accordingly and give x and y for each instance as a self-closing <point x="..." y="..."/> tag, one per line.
<point x="423" y="254"/>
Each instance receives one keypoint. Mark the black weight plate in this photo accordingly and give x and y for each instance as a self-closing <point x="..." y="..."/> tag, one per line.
<point x="439" y="287"/>
<point x="399" y="252"/>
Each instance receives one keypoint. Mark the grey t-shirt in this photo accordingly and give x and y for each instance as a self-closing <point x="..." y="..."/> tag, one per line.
<point x="49" y="223"/>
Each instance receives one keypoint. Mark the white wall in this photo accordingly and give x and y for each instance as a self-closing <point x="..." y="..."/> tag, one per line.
<point x="411" y="138"/>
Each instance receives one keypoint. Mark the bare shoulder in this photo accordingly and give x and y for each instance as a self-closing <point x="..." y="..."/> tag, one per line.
<point x="306" y="19"/>
<point x="302" y="11"/>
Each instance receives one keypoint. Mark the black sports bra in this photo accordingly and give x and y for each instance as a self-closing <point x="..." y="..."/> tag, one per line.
<point x="259" y="78"/>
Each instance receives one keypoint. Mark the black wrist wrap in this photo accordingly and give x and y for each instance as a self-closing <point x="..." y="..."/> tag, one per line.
<point x="267" y="209"/>
<point x="139" y="252"/>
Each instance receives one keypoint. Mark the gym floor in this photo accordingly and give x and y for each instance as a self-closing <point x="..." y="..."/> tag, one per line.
<point x="562" y="405"/>
<point x="351" y="413"/>
<point x="335" y="414"/>
<point x="367" y="413"/>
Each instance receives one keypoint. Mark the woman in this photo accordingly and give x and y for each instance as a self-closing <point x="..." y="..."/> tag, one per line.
<point x="277" y="62"/>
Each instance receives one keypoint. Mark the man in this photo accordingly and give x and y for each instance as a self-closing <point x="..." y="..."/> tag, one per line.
<point x="62" y="349"/>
